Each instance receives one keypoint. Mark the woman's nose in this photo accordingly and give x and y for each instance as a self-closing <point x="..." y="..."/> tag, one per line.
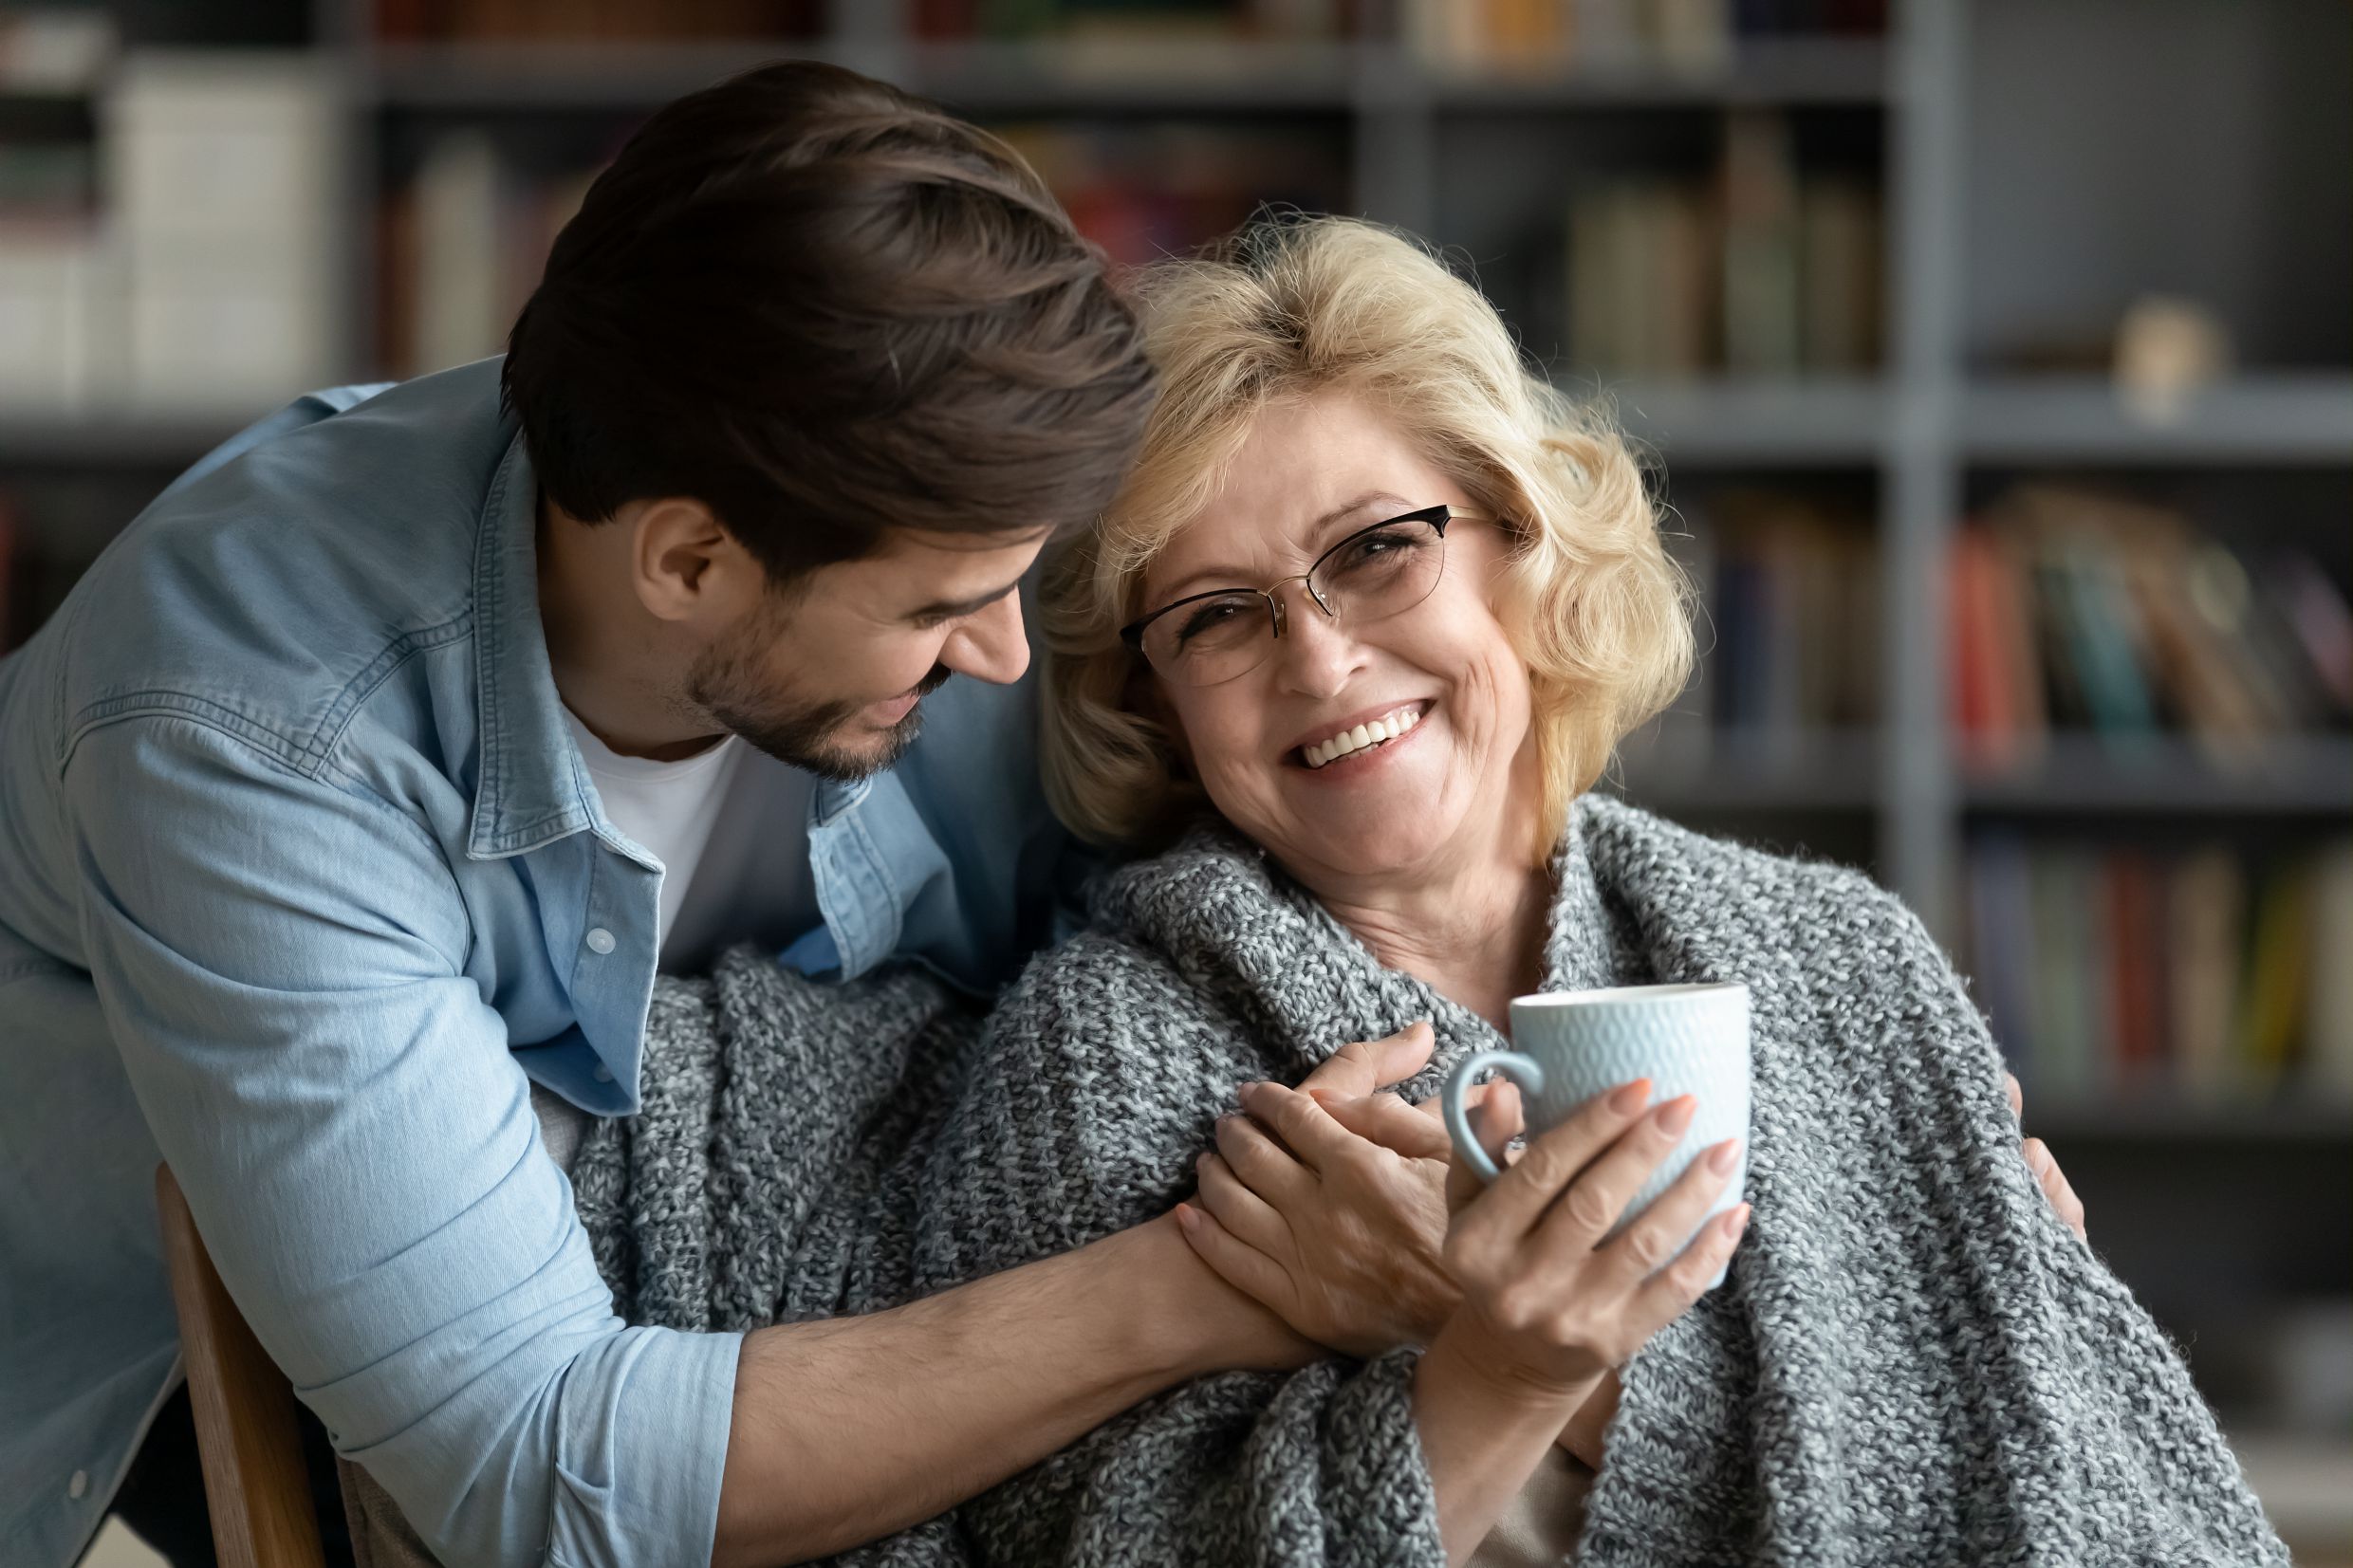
<point x="1315" y="655"/>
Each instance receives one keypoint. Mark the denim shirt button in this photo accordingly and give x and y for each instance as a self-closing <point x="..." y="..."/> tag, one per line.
<point x="78" y="1485"/>
<point x="600" y="940"/>
<point x="603" y="1074"/>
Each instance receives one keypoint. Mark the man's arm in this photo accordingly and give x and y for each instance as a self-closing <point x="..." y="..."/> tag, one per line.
<point x="281" y="959"/>
<point x="849" y="1429"/>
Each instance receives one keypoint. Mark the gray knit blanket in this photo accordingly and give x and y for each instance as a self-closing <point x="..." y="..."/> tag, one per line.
<point x="1913" y="1361"/>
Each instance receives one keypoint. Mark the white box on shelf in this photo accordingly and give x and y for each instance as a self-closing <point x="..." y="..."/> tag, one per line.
<point x="60" y="320"/>
<point x="243" y="145"/>
<point x="207" y="339"/>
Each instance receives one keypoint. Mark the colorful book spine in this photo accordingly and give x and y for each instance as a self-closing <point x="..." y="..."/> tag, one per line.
<point x="2102" y="614"/>
<point x="2192" y="975"/>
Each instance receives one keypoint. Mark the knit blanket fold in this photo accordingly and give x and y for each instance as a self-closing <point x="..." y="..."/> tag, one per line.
<point x="1913" y="1361"/>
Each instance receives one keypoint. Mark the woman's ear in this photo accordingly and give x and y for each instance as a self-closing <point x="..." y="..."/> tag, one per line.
<point x="1147" y="700"/>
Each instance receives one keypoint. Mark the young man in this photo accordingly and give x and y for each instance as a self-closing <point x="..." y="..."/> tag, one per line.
<point x="365" y="783"/>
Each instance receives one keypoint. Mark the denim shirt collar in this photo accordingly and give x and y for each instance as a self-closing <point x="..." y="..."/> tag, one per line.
<point x="533" y="788"/>
<point x="529" y="792"/>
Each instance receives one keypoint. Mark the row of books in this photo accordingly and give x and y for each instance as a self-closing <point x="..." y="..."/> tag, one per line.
<point x="463" y="242"/>
<point x="1790" y="632"/>
<point x="1140" y="20"/>
<point x="2203" y="975"/>
<point x="1522" y="35"/>
<point x="1494" y="32"/>
<point x="1759" y="269"/>
<point x="1146" y="191"/>
<point x="2073" y="608"/>
<point x="460" y="247"/>
<point x="592" y="20"/>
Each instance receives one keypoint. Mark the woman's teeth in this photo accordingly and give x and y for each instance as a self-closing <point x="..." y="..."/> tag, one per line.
<point x="1387" y="727"/>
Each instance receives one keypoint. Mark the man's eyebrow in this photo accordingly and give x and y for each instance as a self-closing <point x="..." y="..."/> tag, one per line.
<point x="950" y="609"/>
<point x="1233" y="575"/>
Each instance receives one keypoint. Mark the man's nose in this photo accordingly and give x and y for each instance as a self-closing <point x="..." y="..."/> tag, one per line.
<point x="991" y="645"/>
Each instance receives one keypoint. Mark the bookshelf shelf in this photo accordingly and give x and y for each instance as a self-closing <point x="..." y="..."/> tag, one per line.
<point x="111" y="441"/>
<point x="1125" y="76"/>
<point x="1791" y="72"/>
<point x="1121" y="75"/>
<point x="2168" y="1119"/>
<point x="2080" y="773"/>
<point x="1754" y="423"/>
<point x="1831" y="770"/>
<point x="2274" y="418"/>
<point x="496" y="78"/>
<point x="980" y="76"/>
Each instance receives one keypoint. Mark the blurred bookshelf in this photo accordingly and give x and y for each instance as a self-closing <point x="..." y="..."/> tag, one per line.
<point x="2002" y="401"/>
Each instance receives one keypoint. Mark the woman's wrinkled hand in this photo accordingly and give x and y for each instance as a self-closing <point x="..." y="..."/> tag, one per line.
<point x="1550" y="1308"/>
<point x="1340" y="1241"/>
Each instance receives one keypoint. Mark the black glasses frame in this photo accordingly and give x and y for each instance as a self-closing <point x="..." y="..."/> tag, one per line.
<point x="1437" y="517"/>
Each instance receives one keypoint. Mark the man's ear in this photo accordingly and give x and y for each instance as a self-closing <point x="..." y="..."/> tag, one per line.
<point x="684" y="565"/>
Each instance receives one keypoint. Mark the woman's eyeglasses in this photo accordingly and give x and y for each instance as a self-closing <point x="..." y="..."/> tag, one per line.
<point x="1373" y="574"/>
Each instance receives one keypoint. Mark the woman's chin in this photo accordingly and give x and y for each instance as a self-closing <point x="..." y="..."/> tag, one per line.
<point x="1364" y="838"/>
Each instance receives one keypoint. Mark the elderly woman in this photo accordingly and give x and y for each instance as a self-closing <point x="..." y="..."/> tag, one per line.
<point x="1369" y="619"/>
<point x="1343" y="661"/>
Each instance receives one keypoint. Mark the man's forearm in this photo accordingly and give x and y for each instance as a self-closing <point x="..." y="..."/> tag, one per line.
<point x="848" y="1430"/>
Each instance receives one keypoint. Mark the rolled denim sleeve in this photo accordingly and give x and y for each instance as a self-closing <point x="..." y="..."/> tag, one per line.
<point x="339" y="1101"/>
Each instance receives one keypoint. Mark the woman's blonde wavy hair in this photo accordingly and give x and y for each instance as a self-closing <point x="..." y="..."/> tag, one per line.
<point x="1294" y="306"/>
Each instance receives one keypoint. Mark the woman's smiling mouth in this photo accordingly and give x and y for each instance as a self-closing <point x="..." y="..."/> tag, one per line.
<point x="1366" y="736"/>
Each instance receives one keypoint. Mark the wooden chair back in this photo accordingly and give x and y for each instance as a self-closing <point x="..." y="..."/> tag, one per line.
<point x="251" y="1448"/>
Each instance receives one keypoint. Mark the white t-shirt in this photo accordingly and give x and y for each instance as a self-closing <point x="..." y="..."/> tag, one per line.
<point x="730" y="826"/>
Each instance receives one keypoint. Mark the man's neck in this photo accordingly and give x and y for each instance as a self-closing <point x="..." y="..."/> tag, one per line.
<point x="602" y="646"/>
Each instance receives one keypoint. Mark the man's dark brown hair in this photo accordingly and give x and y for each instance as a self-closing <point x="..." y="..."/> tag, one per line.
<point x="826" y="310"/>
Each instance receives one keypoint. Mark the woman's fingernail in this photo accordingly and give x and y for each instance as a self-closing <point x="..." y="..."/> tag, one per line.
<point x="1632" y="1097"/>
<point x="1736" y="1221"/>
<point x="1727" y="1155"/>
<point x="1678" y="1115"/>
<point x="1186" y="1217"/>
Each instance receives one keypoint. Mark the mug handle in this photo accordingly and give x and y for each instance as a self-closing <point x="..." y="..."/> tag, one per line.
<point x="1521" y="1070"/>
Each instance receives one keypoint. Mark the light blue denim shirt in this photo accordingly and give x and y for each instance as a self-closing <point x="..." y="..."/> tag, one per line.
<point x="301" y="879"/>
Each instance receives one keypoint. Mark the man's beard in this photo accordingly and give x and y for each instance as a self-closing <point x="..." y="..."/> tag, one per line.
<point x="724" y="683"/>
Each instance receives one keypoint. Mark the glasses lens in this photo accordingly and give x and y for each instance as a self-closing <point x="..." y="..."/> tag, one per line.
<point x="1381" y="571"/>
<point x="1211" y="640"/>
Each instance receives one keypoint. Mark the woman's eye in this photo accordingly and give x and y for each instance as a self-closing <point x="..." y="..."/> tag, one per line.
<point x="1375" y="547"/>
<point x="1207" y="618"/>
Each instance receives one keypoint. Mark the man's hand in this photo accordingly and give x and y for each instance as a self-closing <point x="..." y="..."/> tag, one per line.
<point x="2046" y="1167"/>
<point x="1361" y="1066"/>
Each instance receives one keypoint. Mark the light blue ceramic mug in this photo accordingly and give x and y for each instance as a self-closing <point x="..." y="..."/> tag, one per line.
<point x="1570" y="1046"/>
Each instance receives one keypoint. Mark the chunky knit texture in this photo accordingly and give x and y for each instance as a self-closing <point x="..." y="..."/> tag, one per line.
<point x="1914" y="1362"/>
